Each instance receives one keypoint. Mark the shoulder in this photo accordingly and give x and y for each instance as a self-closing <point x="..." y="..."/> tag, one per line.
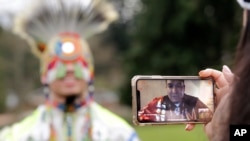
<point x="157" y="100"/>
<point x="21" y="129"/>
<point x="190" y="97"/>
<point x="190" y="100"/>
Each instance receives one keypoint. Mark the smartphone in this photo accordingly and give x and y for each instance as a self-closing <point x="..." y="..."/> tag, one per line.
<point x="172" y="99"/>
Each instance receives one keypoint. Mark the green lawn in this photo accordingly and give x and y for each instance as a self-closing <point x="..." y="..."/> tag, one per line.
<point x="170" y="133"/>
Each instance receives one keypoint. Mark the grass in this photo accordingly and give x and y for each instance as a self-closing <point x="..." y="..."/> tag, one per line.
<point x="170" y="133"/>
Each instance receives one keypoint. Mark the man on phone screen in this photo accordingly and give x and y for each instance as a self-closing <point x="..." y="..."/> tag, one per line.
<point x="175" y="106"/>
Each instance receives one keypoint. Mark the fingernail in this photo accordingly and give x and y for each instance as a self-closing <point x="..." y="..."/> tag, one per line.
<point x="226" y="69"/>
<point x="200" y="73"/>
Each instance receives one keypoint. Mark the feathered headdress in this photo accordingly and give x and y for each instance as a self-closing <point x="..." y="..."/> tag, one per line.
<point x="58" y="29"/>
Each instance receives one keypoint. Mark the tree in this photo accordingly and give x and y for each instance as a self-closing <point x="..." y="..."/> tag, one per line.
<point x="179" y="38"/>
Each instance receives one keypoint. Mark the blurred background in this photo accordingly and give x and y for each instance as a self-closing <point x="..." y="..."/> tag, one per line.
<point x="162" y="37"/>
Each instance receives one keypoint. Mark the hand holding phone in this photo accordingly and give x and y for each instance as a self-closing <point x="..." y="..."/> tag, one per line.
<point x="172" y="99"/>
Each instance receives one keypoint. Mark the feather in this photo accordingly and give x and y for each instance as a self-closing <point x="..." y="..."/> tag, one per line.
<point x="9" y="10"/>
<point x="42" y="22"/>
<point x="47" y="18"/>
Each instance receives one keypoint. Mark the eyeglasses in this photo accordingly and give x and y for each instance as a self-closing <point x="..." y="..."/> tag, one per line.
<point x="244" y="4"/>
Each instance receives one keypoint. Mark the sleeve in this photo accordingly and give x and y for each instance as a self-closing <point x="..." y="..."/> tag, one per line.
<point x="15" y="132"/>
<point x="6" y="134"/>
<point x="20" y="131"/>
<point x="148" y="113"/>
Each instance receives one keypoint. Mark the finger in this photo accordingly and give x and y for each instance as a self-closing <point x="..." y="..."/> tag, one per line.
<point x="208" y="130"/>
<point x="189" y="127"/>
<point x="221" y="92"/>
<point x="209" y="72"/>
<point x="229" y="76"/>
<point x="217" y="76"/>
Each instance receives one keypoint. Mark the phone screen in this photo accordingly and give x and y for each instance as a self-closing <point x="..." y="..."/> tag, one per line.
<point x="170" y="99"/>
